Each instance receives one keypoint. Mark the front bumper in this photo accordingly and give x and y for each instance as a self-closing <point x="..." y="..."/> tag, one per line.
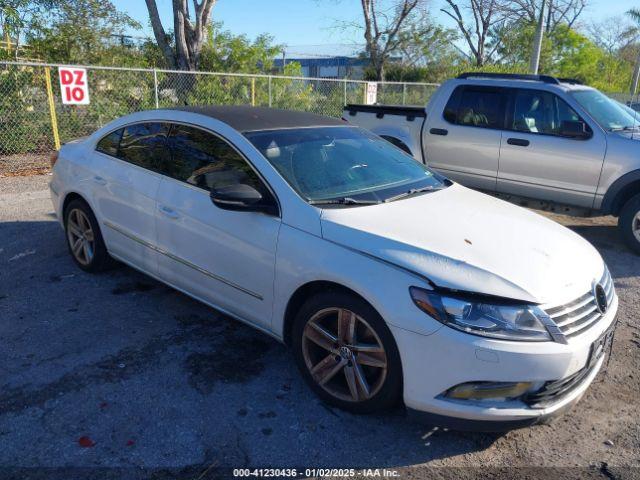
<point x="434" y="363"/>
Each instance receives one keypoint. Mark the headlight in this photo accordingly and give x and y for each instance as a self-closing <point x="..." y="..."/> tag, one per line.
<point x="508" y="321"/>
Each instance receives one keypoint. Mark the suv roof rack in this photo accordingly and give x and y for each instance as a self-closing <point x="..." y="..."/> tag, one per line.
<point x="573" y="81"/>
<point x="511" y="76"/>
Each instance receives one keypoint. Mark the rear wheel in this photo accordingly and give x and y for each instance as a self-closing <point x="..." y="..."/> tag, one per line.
<point x="346" y="353"/>
<point x="629" y="223"/>
<point x="84" y="238"/>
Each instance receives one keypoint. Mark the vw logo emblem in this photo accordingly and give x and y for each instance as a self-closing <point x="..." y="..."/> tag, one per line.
<point x="601" y="298"/>
<point x="345" y="353"/>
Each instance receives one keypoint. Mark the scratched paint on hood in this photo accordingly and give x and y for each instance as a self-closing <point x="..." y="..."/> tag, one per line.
<point x="466" y="240"/>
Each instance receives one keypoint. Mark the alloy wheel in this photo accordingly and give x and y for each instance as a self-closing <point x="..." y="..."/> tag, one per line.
<point x="635" y="226"/>
<point x="80" y="236"/>
<point x="344" y="354"/>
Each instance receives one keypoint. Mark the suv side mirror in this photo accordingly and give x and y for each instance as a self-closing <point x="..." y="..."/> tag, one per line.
<point x="575" y="129"/>
<point x="242" y="197"/>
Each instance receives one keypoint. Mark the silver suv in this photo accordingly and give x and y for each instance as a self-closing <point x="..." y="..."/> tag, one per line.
<point x="552" y="143"/>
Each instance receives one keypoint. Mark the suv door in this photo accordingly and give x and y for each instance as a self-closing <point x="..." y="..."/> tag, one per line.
<point x="464" y="144"/>
<point x="125" y="188"/>
<point x="224" y="257"/>
<point x="542" y="158"/>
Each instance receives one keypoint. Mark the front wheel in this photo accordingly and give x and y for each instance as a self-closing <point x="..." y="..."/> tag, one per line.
<point x="346" y="353"/>
<point x="629" y="223"/>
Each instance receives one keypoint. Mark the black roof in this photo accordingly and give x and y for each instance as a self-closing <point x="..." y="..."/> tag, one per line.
<point x="246" y="119"/>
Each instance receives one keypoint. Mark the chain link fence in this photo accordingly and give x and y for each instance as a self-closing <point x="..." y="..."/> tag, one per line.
<point x="28" y="128"/>
<point x="27" y="125"/>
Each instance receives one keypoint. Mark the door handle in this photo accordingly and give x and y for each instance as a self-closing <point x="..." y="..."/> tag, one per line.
<point x="438" y="131"/>
<point x="520" y="142"/>
<point x="99" y="180"/>
<point x="169" y="212"/>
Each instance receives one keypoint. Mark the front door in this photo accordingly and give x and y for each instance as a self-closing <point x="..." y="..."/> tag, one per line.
<point x="226" y="258"/>
<point x="464" y="144"/>
<point x="540" y="160"/>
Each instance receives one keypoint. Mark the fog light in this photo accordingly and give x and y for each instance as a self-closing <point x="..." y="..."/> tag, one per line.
<point x="488" y="390"/>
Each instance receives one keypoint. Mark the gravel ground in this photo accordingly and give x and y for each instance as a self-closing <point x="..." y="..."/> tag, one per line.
<point x="24" y="164"/>
<point x="118" y="376"/>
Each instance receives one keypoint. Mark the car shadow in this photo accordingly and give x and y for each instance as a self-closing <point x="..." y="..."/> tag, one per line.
<point x="166" y="368"/>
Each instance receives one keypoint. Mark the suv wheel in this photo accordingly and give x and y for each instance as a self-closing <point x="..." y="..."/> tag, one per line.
<point x="346" y="353"/>
<point x="629" y="223"/>
<point x="84" y="238"/>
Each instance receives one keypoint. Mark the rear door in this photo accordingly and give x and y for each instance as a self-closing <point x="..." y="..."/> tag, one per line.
<point x="538" y="161"/>
<point x="464" y="142"/>
<point x="224" y="257"/>
<point x="125" y="186"/>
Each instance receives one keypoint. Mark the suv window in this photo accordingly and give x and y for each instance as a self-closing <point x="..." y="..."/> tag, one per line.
<point x="476" y="107"/>
<point x="206" y="161"/>
<point x="109" y="143"/>
<point x="145" y="145"/>
<point x="537" y="111"/>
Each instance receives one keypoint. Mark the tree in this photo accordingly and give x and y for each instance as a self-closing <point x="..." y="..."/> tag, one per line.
<point x="188" y="35"/>
<point x="383" y="24"/>
<point x="488" y="19"/>
<point x="612" y="34"/>
<point x="634" y="13"/>
<point x="16" y="15"/>
<point x="83" y="31"/>
<point x="557" y="11"/>
<point x="225" y="52"/>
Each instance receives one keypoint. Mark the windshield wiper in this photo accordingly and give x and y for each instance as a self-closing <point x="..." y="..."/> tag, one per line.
<point x="410" y="192"/>
<point x="343" y="201"/>
<point x="625" y="128"/>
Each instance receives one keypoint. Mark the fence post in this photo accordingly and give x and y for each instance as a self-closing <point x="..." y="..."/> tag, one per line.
<point x="344" y="103"/>
<point x="155" y="86"/>
<point x="404" y="93"/>
<point x="253" y="91"/>
<point x="270" y="100"/>
<point x="52" y="108"/>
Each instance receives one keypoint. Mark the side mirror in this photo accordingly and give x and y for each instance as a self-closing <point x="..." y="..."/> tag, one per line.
<point x="575" y="129"/>
<point x="242" y="197"/>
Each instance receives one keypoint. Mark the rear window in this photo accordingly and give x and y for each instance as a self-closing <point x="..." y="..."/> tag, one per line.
<point x="109" y="144"/>
<point x="145" y="145"/>
<point x="476" y="107"/>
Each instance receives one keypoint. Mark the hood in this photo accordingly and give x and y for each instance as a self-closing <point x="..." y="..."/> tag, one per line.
<point x="466" y="240"/>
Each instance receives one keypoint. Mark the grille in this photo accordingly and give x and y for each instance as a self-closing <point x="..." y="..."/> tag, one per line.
<point x="578" y="315"/>
<point x="556" y="389"/>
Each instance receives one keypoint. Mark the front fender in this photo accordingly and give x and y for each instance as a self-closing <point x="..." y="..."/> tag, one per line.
<point x="303" y="258"/>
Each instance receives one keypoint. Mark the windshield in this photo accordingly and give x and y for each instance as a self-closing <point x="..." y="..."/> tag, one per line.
<point x="344" y="164"/>
<point x="610" y="114"/>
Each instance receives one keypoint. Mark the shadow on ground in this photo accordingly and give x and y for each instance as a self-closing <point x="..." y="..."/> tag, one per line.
<point x="118" y="370"/>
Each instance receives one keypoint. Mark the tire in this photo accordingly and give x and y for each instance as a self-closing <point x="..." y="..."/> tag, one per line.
<point x="81" y="228"/>
<point x="344" y="360"/>
<point x="629" y="223"/>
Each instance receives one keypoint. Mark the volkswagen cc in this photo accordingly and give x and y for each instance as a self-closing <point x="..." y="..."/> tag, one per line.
<point x="389" y="282"/>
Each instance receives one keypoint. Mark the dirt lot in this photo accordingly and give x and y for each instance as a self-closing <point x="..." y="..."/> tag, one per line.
<point x="118" y="376"/>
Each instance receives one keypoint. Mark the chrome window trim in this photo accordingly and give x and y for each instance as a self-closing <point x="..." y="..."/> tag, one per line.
<point x="204" y="129"/>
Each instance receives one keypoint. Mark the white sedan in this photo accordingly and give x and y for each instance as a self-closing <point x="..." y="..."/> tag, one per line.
<point x="388" y="281"/>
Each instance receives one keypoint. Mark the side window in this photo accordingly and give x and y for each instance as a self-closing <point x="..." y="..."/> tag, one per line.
<point x="109" y="143"/>
<point x="207" y="161"/>
<point x="537" y="111"/>
<point x="476" y="107"/>
<point x="145" y="145"/>
<point x="481" y="108"/>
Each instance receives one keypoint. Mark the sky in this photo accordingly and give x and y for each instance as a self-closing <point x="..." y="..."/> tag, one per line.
<point x="310" y="27"/>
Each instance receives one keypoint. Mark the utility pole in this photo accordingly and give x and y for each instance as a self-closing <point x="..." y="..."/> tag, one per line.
<point x="636" y="77"/>
<point x="537" y="42"/>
